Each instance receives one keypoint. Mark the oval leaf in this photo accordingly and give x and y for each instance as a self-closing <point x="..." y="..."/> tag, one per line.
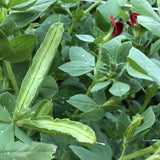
<point x="80" y="55"/>
<point x="99" y="86"/>
<point x="76" y="68"/>
<point x="119" y="88"/>
<point x="38" y="150"/>
<point x="85" y="38"/>
<point x="82" y="102"/>
<point x="143" y="64"/>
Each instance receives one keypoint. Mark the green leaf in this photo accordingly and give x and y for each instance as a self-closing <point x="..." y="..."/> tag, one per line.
<point x="122" y="2"/>
<point x="98" y="40"/>
<point x="48" y="88"/>
<point x="6" y="48"/>
<point x="119" y="89"/>
<point x="62" y="144"/>
<point x="77" y="130"/>
<point x="6" y="136"/>
<point x="82" y="102"/>
<point x="44" y="108"/>
<point x="100" y="85"/>
<point x="102" y="150"/>
<point x="21" y="5"/>
<point x="151" y="91"/>
<point x="81" y="62"/>
<point x="39" y="68"/>
<point x="123" y="52"/>
<point x="155" y="47"/>
<point x="143" y="8"/>
<point x="93" y="116"/>
<point x="32" y="13"/>
<point x="104" y="11"/>
<point x="135" y="85"/>
<point x="143" y="64"/>
<point x="18" y="49"/>
<point x="4" y="115"/>
<point x="80" y="55"/>
<point x="122" y="123"/>
<point x="85" y="37"/>
<point x="7" y="100"/>
<point x="69" y="1"/>
<point x="109" y="51"/>
<point x="14" y="2"/>
<point x="23" y="46"/>
<point x="149" y="120"/>
<point x="8" y="26"/>
<point x="132" y="72"/>
<point x="98" y="32"/>
<point x="22" y="136"/>
<point x="4" y="3"/>
<point x="75" y="68"/>
<point x="111" y="108"/>
<point x="84" y="154"/>
<point x="99" y="97"/>
<point x="150" y="23"/>
<point x="40" y="151"/>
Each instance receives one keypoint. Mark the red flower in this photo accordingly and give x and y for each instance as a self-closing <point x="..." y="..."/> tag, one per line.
<point x="133" y="19"/>
<point x="118" y="27"/>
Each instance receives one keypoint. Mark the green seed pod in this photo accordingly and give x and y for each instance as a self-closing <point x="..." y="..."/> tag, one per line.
<point x="137" y="120"/>
<point x="39" y="68"/>
<point x="45" y="108"/>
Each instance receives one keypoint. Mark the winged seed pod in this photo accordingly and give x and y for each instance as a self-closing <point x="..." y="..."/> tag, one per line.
<point x="44" y="109"/>
<point x="39" y="68"/>
<point x="137" y="120"/>
<point x="155" y="156"/>
<point x="82" y="133"/>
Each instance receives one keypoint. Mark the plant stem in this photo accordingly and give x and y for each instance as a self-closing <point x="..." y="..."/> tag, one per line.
<point x="74" y="21"/>
<point x="91" y="7"/>
<point x="144" y="105"/>
<point x="98" y="62"/>
<point x="123" y="151"/>
<point x="12" y="77"/>
<point x="89" y="88"/>
<point x="75" y="113"/>
<point x="148" y="150"/>
<point x="69" y="31"/>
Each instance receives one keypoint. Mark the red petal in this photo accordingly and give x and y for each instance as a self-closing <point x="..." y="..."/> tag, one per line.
<point x="133" y="19"/>
<point x="112" y="20"/>
<point x="118" y="29"/>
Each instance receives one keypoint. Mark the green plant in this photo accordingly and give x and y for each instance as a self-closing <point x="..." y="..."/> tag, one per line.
<point x="79" y="79"/>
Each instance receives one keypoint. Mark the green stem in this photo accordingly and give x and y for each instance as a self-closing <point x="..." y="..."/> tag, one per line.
<point x="72" y="26"/>
<point x="75" y="114"/>
<point x="144" y="105"/>
<point x="123" y="151"/>
<point x="69" y="31"/>
<point x="148" y="150"/>
<point x="98" y="61"/>
<point x="74" y="21"/>
<point x="11" y="76"/>
<point x="89" y="88"/>
<point x="91" y="7"/>
<point x="85" y="113"/>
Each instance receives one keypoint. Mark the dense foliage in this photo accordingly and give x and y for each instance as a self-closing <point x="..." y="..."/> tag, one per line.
<point x="79" y="79"/>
